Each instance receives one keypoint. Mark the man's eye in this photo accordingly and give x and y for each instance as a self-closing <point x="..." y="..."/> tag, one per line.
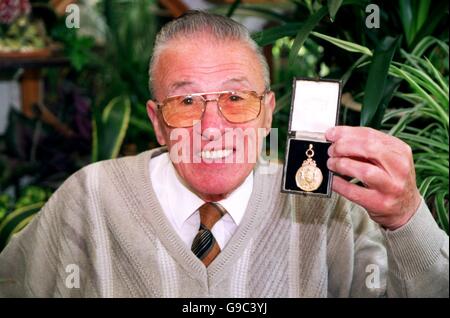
<point x="188" y="101"/>
<point x="235" y="98"/>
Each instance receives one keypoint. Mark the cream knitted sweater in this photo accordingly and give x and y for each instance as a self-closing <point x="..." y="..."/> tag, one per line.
<point x="103" y="234"/>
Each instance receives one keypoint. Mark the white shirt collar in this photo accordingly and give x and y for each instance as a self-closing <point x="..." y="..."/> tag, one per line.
<point x="179" y="203"/>
<point x="236" y="203"/>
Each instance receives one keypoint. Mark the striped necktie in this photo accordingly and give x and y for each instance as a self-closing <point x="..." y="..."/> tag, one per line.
<point x="205" y="246"/>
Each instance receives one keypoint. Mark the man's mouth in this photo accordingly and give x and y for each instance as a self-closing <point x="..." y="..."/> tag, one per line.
<point x="215" y="154"/>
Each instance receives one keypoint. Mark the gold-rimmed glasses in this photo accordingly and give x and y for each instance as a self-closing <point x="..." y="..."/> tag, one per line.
<point x="235" y="106"/>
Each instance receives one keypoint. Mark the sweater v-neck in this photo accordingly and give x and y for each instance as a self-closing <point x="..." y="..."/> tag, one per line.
<point x="152" y="212"/>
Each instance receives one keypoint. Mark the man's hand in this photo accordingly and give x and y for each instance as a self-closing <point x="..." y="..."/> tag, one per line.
<point x="384" y="164"/>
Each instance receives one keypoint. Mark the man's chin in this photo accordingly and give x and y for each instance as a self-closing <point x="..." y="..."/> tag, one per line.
<point x="215" y="187"/>
<point x="214" y="193"/>
<point x="214" y="179"/>
<point x="215" y="184"/>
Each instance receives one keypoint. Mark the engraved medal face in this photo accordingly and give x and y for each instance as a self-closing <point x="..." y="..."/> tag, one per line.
<point x="309" y="177"/>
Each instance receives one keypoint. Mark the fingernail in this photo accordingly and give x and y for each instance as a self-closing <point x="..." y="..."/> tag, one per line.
<point x="330" y="151"/>
<point x="330" y="163"/>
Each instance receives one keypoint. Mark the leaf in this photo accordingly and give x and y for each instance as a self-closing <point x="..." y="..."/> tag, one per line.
<point x="21" y="225"/>
<point x="437" y="14"/>
<point x="389" y="89"/>
<point x="374" y="91"/>
<point x="427" y="42"/>
<point x="424" y="81"/>
<point x="269" y="36"/>
<point x="233" y="7"/>
<point x="109" y="128"/>
<point x="426" y="141"/>
<point x="333" y="7"/>
<point x="403" y="122"/>
<point x="406" y="16"/>
<point x="422" y="13"/>
<point x="440" y="79"/>
<point x="432" y="166"/>
<point x="438" y="111"/>
<point x="16" y="217"/>
<point x="304" y="32"/>
<point x="348" y="46"/>
<point x="423" y="189"/>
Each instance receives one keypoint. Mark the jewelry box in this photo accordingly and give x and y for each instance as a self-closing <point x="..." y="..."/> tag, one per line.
<point x="314" y="109"/>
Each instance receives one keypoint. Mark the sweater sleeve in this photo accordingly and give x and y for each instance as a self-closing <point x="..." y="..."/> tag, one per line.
<point x="418" y="258"/>
<point x="50" y="256"/>
<point x="411" y="261"/>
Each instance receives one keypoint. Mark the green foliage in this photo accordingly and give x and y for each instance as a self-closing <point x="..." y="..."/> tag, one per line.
<point x="14" y="216"/>
<point x="122" y="66"/>
<point x="233" y="7"/>
<point x="304" y="32"/>
<point x="109" y="128"/>
<point x="372" y="82"/>
<point x="270" y="36"/>
<point x="130" y="34"/>
<point x="265" y="11"/>
<point x="419" y="18"/>
<point x="31" y="195"/>
<point x="5" y="204"/>
<point x="348" y="46"/>
<point x="424" y="124"/>
<point x="77" y="48"/>
<point x="16" y="221"/>
<point x="377" y="93"/>
<point x="333" y="7"/>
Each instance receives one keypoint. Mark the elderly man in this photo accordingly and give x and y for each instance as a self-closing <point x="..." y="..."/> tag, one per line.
<point x="190" y="220"/>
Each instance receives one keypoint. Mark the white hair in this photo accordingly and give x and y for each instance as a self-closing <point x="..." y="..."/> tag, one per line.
<point x="195" y="22"/>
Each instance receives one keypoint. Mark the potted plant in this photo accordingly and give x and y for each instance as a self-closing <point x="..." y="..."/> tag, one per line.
<point x="22" y="31"/>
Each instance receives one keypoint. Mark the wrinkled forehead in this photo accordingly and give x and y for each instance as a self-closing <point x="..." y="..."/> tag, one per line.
<point x="201" y="62"/>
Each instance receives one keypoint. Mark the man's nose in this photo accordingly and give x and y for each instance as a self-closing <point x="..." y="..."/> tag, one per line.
<point x="212" y="119"/>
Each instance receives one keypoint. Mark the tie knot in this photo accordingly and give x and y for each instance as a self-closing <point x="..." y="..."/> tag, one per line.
<point x="210" y="213"/>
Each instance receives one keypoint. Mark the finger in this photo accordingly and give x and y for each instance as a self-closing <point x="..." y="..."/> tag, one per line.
<point x="338" y="132"/>
<point x="366" y="136"/>
<point x="367" y="198"/>
<point x="371" y="175"/>
<point x="385" y="152"/>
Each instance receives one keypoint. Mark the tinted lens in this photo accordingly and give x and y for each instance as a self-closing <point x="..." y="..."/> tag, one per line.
<point x="240" y="107"/>
<point x="182" y="111"/>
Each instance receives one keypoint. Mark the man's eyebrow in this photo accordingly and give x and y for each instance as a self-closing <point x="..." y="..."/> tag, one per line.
<point x="179" y="84"/>
<point x="237" y="80"/>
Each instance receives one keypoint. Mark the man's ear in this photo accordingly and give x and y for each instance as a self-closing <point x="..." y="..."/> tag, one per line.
<point x="152" y="112"/>
<point x="269" y="104"/>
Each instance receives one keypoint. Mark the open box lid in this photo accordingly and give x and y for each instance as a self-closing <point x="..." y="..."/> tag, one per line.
<point x="315" y="106"/>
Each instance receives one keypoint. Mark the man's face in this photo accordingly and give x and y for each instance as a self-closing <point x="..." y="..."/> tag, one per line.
<point x="202" y="65"/>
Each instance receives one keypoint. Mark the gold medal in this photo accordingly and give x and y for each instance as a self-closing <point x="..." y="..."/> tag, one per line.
<point x="309" y="177"/>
